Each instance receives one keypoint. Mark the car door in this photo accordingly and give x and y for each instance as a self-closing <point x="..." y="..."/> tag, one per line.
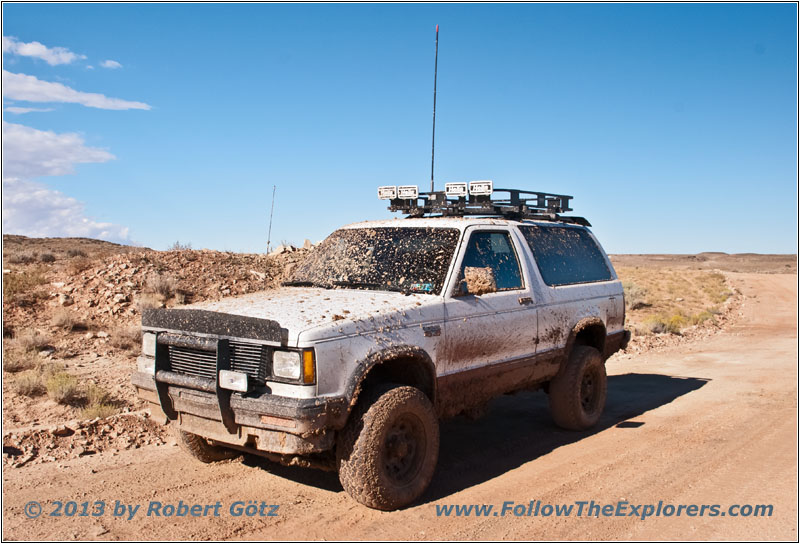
<point x="494" y="328"/>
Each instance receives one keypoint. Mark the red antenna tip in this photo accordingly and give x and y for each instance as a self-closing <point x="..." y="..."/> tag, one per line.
<point x="437" y="28"/>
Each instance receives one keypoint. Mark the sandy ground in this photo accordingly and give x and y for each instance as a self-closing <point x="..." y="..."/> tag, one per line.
<point x="711" y="422"/>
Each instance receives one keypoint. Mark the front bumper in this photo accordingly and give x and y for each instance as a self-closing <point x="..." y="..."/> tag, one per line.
<point x="265" y="422"/>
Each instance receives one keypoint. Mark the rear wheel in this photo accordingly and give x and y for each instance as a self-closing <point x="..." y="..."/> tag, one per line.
<point x="386" y="455"/>
<point x="200" y="448"/>
<point x="578" y="393"/>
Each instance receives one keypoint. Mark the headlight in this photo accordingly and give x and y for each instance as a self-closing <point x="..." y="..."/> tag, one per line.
<point x="149" y="344"/>
<point x="286" y="364"/>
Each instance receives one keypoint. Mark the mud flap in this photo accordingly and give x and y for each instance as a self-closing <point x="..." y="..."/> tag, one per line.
<point x="224" y="395"/>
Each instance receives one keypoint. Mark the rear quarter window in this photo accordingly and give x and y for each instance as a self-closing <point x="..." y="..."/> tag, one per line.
<point x="566" y="255"/>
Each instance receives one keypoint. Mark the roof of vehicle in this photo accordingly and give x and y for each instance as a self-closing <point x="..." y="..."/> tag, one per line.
<point x="453" y="222"/>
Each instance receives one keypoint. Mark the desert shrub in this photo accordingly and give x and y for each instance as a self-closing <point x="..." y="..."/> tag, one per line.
<point x="96" y="395"/>
<point x="101" y="411"/>
<point x="702" y="317"/>
<point x="78" y="265"/>
<point x="126" y="338"/>
<point x="47" y="258"/>
<point x="146" y="301"/>
<point x="22" y="282"/>
<point x="31" y="341"/>
<point x="76" y="253"/>
<point x="25" y="257"/>
<point x="67" y="320"/>
<point x="98" y="403"/>
<point x="716" y="288"/>
<point x="63" y="388"/>
<point x="660" y="324"/>
<point x="29" y="384"/>
<point x="178" y="246"/>
<point x="161" y="284"/>
<point x="635" y="296"/>
<point x="17" y="360"/>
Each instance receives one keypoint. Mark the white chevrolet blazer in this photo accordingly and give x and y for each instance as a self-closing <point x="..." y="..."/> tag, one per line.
<point x="386" y="328"/>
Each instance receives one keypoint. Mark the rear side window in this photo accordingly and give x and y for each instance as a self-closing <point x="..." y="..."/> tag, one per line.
<point x="566" y="255"/>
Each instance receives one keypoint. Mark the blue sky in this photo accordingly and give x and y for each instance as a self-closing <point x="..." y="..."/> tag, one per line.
<point x="673" y="125"/>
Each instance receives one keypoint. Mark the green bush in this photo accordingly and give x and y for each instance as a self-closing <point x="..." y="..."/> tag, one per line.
<point x="63" y="388"/>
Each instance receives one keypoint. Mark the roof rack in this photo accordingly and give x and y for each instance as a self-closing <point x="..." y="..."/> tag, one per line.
<point x="458" y="200"/>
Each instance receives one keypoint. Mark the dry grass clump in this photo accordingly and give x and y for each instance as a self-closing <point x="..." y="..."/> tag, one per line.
<point x="19" y="283"/>
<point x="635" y="296"/>
<point x="47" y="258"/>
<point x="98" y="403"/>
<point x="127" y="338"/>
<point x="79" y="264"/>
<point x="17" y="360"/>
<point x="178" y="246"/>
<point x="30" y="384"/>
<point x="31" y="341"/>
<point x="67" y="320"/>
<point x="63" y="388"/>
<point x="76" y="253"/>
<point x="25" y="257"/>
<point x="161" y="284"/>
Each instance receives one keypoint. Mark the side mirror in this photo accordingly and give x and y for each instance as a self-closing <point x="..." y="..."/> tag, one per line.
<point x="477" y="281"/>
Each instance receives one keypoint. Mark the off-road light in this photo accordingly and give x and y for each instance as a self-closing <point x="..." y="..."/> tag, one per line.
<point x="146" y="365"/>
<point x="236" y="381"/>
<point x="408" y="192"/>
<point x="309" y="366"/>
<point x="149" y="344"/>
<point x="483" y="187"/>
<point x="287" y="364"/>
<point x="455" y="189"/>
<point x="387" y="192"/>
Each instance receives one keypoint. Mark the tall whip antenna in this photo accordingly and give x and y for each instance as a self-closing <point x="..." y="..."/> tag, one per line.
<point x="435" y="71"/>
<point x="271" y="209"/>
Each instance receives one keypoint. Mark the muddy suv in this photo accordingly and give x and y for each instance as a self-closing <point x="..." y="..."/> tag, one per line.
<point x="388" y="327"/>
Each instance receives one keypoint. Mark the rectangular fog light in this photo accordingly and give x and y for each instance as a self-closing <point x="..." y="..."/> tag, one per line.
<point x="387" y="192"/>
<point x="408" y="192"/>
<point x="236" y="381"/>
<point x="455" y="189"/>
<point x="483" y="187"/>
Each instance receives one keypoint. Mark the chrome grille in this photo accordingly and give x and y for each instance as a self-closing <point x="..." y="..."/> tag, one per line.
<point x="252" y="359"/>
<point x="193" y="361"/>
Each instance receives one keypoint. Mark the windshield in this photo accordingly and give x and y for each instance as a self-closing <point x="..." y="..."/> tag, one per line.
<point x="410" y="260"/>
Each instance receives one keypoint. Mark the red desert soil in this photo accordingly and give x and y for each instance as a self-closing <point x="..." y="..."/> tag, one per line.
<point x="711" y="419"/>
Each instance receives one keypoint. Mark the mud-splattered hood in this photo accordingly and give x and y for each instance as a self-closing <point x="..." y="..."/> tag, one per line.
<point x="329" y="311"/>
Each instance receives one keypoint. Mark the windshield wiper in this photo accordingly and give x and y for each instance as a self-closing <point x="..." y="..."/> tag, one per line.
<point x="370" y="285"/>
<point x="299" y="283"/>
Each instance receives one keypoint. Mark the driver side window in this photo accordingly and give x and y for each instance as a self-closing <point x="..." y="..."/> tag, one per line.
<point x="494" y="250"/>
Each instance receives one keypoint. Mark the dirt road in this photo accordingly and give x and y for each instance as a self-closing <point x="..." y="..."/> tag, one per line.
<point x="705" y="423"/>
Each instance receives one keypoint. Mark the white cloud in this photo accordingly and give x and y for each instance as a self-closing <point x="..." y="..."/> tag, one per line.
<point x="110" y="64"/>
<point x="30" y="153"/>
<point x="17" y="109"/>
<point x="51" y="55"/>
<point x="32" y="89"/>
<point x="33" y="209"/>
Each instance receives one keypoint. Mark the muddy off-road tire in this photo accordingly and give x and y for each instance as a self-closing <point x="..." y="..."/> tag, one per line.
<point x="578" y="392"/>
<point x="199" y="448"/>
<point x="387" y="452"/>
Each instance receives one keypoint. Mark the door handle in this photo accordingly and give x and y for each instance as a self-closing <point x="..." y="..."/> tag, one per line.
<point x="525" y="300"/>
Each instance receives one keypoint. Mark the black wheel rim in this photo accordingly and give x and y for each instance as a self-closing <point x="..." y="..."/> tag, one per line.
<point x="590" y="391"/>
<point x="404" y="449"/>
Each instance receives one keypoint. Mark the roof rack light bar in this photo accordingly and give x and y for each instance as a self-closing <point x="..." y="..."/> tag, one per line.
<point x="479" y="198"/>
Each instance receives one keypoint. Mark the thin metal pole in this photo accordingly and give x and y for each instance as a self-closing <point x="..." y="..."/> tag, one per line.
<point x="271" y="209"/>
<point x="435" y="72"/>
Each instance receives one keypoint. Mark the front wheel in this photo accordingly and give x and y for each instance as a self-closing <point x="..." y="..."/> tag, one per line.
<point x="387" y="452"/>
<point x="578" y="392"/>
<point x="199" y="448"/>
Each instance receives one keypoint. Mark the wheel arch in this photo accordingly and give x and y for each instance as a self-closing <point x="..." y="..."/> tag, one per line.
<point x="590" y="331"/>
<point x="404" y="365"/>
